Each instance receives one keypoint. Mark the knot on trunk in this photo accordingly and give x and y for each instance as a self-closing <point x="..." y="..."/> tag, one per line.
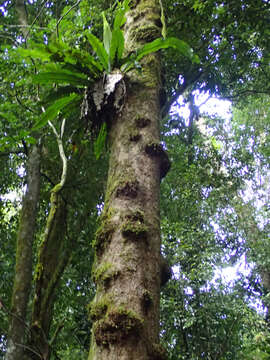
<point x="118" y="325"/>
<point x="157" y="150"/>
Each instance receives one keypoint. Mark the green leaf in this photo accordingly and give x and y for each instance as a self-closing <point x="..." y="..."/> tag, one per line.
<point x="170" y="42"/>
<point x="99" y="50"/>
<point x="85" y="59"/>
<point x="99" y="144"/>
<point x="40" y="52"/>
<point x="107" y="34"/>
<point x="61" y="77"/>
<point x="52" y="112"/>
<point x="117" y="45"/>
<point x="120" y="18"/>
<point x="60" y="92"/>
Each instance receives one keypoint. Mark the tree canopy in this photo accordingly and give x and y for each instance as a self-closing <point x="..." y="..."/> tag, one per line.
<point x="65" y="68"/>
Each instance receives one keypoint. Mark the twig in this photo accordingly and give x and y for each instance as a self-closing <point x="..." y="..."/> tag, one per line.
<point x="47" y="178"/>
<point x="7" y="153"/>
<point x="26" y="26"/>
<point x="22" y="105"/>
<point x="205" y="101"/>
<point x="62" y="17"/>
<point x="35" y="19"/>
<point x="57" y="331"/>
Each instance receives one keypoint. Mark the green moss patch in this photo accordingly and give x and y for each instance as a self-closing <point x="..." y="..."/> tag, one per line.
<point x="146" y="33"/>
<point x="105" y="273"/>
<point x="116" y="183"/>
<point x="98" y="310"/>
<point x="133" y="226"/>
<point x="136" y="216"/>
<point x="103" y="237"/>
<point x="118" y="325"/>
<point x="104" y="232"/>
<point x="134" y="231"/>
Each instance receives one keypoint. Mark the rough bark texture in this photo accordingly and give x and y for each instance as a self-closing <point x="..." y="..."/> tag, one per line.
<point x="127" y="268"/>
<point x="53" y="256"/>
<point x="23" y="271"/>
<point x="52" y="260"/>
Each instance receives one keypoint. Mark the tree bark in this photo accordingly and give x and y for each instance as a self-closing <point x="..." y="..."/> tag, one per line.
<point x="128" y="262"/>
<point x="23" y="271"/>
<point x="53" y="257"/>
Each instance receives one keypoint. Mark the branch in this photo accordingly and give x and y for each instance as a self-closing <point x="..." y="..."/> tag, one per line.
<point x="9" y="38"/>
<point x="7" y="153"/>
<point x="22" y="105"/>
<point x="204" y="102"/>
<point x="59" y="186"/>
<point x="179" y="92"/>
<point x="5" y="308"/>
<point x="57" y="331"/>
<point x="247" y="92"/>
<point x="30" y="349"/>
<point x="26" y="26"/>
<point x="38" y="14"/>
<point x="47" y="178"/>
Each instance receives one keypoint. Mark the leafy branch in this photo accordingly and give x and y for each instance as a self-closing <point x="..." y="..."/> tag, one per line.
<point x="76" y="69"/>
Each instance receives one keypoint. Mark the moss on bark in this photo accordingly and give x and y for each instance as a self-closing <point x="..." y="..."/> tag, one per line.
<point x="104" y="273"/>
<point x="118" y="325"/>
<point x="23" y="270"/>
<point x="98" y="309"/>
<point x="129" y="259"/>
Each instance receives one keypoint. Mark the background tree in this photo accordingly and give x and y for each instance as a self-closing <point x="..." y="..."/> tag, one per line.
<point x="201" y="225"/>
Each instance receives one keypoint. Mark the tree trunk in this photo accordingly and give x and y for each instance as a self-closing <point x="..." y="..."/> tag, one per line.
<point x="53" y="256"/>
<point x="23" y="271"/>
<point x="127" y="268"/>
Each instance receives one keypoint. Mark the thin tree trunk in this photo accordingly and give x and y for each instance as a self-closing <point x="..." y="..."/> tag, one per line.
<point x="23" y="271"/>
<point x="128" y="262"/>
<point x="53" y="257"/>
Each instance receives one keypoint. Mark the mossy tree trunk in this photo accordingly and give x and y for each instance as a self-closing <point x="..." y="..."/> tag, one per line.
<point x="53" y="257"/>
<point x="128" y="262"/>
<point x="23" y="270"/>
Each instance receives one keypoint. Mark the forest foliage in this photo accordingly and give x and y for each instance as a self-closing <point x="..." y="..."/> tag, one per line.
<point x="214" y="200"/>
